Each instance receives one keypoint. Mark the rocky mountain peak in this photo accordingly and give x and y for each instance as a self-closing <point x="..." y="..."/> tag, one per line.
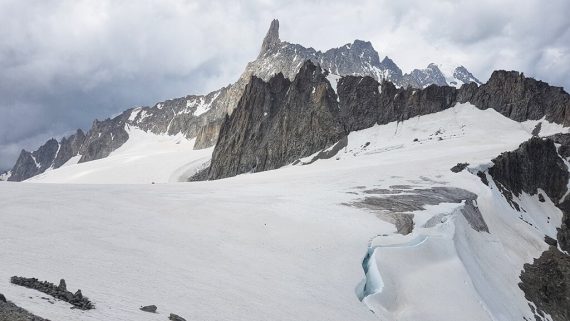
<point x="271" y="38"/>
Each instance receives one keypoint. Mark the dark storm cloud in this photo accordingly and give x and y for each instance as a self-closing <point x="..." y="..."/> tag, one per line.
<point x="64" y="63"/>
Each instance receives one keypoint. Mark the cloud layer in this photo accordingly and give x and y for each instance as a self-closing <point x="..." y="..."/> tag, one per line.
<point x="65" y="63"/>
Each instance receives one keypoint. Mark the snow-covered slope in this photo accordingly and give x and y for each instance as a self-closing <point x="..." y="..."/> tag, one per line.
<point x="144" y="158"/>
<point x="289" y="244"/>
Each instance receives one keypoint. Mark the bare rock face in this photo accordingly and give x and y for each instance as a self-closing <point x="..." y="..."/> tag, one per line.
<point x="360" y="102"/>
<point x="546" y="283"/>
<point x="364" y="102"/>
<point x="208" y="135"/>
<point x="271" y="38"/>
<point x="11" y="312"/>
<point x="277" y="122"/>
<point x="69" y="147"/>
<point x="174" y="317"/>
<point x="52" y="154"/>
<point x="59" y="292"/>
<point x="538" y="163"/>
<point x="521" y="98"/>
<point x="535" y="164"/>
<point x="103" y="138"/>
<point x="30" y="164"/>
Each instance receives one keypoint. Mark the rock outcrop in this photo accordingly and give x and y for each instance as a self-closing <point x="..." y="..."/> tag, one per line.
<point x="148" y="308"/>
<point x="522" y="98"/>
<point x="208" y="135"/>
<point x="546" y="283"/>
<point x="59" y="292"/>
<point x="276" y="122"/>
<point x="174" y="317"/>
<point x="539" y="164"/>
<point x="535" y="164"/>
<point x="11" y="312"/>
<point x="361" y="103"/>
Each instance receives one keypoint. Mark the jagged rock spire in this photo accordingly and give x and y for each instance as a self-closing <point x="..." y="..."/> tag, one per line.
<point x="271" y="38"/>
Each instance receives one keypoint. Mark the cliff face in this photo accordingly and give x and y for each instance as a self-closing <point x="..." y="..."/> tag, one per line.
<point x="539" y="164"/>
<point x="521" y="98"/>
<point x="535" y="164"/>
<point x="277" y="121"/>
<point x="52" y="154"/>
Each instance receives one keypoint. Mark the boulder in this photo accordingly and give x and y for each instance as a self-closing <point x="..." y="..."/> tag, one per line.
<point x="149" y="308"/>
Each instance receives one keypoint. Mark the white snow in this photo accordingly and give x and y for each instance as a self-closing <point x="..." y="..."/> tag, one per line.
<point x="35" y="160"/>
<point x="280" y="245"/>
<point x="203" y="106"/>
<point x="144" y="158"/>
<point x="134" y="114"/>
<point x="5" y="176"/>
<point x="333" y="80"/>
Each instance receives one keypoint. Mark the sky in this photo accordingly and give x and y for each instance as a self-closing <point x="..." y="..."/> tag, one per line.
<point x="65" y="63"/>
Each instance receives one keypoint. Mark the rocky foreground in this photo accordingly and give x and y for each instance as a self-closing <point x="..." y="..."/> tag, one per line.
<point x="11" y="312"/>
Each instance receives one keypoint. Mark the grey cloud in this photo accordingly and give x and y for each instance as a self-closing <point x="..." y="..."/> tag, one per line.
<point x="67" y="62"/>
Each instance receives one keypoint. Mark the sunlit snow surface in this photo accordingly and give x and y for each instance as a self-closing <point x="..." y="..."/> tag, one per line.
<point x="144" y="158"/>
<point x="283" y="244"/>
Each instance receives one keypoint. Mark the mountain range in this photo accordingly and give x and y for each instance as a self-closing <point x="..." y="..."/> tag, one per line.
<point x="201" y="116"/>
<point x="324" y="186"/>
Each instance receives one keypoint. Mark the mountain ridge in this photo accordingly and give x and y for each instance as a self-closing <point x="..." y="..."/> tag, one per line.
<point x="201" y="116"/>
<point x="254" y="141"/>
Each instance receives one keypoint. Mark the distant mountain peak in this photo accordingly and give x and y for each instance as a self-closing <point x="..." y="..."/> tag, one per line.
<point x="271" y="38"/>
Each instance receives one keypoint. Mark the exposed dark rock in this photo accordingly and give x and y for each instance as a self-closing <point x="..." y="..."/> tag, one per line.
<point x="541" y="198"/>
<point x="175" y="317"/>
<point x="564" y="141"/>
<point x="535" y="164"/>
<point x="359" y="101"/>
<point x="546" y="283"/>
<point x="11" y="312"/>
<point x="69" y="147"/>
<point x="394" y="206"/>
<point x="62" y="286"/>
<point x="77" y="299"/>
<point x="563" y="234"/>
<point x="550" y="241"/>
<point x="30" y="164"/>
<point x="2" y="298"/>
<point x="271" y="38"/>
<point x="483" y="177"/>
<point x="459" y="167"/>
<point x="103" y="138"/>
<point x="398" y="104"/>
<point x="521" y="98"/>
<point x="536" y="130"/>
<point x="149" y="308"/>
<point x="276" y="123"/>
<point x="473" y="216"/>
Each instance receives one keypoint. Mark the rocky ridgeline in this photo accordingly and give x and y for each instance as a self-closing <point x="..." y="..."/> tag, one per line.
<point x="279" y="121"/>
<point x="59" y="292"/>
<point x="201" y="116"/>
<point x="539" y="164"/>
